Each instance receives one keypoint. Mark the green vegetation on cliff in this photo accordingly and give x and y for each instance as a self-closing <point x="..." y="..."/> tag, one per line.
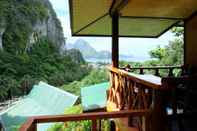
<point x="19" y="18"/>
<point x="94" y="77"/>
<point x="42" y="62"/>
<point x="23" y="63"/>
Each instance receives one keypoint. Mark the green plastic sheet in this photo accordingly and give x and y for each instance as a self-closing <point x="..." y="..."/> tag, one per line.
<point x="94" y="97"/>
<point x="43" y="99"/>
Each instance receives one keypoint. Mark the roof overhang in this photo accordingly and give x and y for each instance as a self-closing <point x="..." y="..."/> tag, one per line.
<point x="138" y="18"/>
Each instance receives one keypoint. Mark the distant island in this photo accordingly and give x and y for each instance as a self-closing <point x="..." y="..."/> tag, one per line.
<point x="87" y="50"/>
<point x="91" y="55"/>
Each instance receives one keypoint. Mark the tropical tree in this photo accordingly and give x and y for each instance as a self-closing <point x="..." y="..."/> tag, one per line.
<point x="172" y="54"/>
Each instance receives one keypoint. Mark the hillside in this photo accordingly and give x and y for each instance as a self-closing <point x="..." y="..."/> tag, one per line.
<point x="31" y="38"/>
<point x="87" y="50"/>
<point x="23" y="22"/>
<point x="83" y="47"/>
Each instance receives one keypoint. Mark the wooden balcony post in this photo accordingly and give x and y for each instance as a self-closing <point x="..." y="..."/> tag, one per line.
<point x="170" y="72"/>
<point x="99" y="124"/>
<point x="157" y="72"/>
<point x="112" y="125"/>
<point x="142" y="71"/>
<point x="33" y="127"/>
<point x="94" y="125"/>
<point x="158" y="115"/>
<point x="115" y="39"/>
<point x="190" y="46"/>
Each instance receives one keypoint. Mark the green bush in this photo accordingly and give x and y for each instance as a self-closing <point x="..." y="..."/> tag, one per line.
<point x="77" y="125"/>
<point x="42" y="62"/>
<point x="94" y="77"/>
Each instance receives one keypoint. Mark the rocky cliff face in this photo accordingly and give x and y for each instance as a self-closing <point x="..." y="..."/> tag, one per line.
<point x="27" y="22"/>
<point x="53" y="31"/>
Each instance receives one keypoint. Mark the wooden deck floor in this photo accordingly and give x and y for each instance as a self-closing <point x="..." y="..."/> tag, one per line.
<point x="122" y="125"/>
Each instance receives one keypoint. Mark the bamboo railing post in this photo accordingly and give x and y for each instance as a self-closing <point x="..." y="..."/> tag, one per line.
<point x="157" y="72"/>
<point x="112" y="125"/>
<point x="142" y="71"/>
<point x="184" y="70"/>
<point x="33" y="127"/>
<point x="94" y="125"/>
<point x="170" y="71"/>
<point x="99" y="124"/>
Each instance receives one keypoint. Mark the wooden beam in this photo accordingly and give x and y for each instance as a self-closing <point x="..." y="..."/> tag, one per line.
<point x="190" y="40"/>
<point x="27" y="126"/>
<point x="115" y="39"/>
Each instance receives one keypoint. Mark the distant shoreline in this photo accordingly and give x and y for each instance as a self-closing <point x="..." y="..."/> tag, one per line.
<point x="128" y="59"/>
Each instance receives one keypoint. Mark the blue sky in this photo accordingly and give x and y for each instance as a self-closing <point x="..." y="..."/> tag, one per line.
<point x="134" y="46"/>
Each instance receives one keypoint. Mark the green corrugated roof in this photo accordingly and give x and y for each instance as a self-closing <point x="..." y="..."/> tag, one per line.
<point x="94" y="97"/>
<point x="43" y="99"/>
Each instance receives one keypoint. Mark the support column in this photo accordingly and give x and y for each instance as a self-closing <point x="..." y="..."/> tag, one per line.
<point x="115" y="39"/>
<point x="190" y="40"/>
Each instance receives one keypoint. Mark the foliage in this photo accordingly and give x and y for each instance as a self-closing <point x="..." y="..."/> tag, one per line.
<point x="158" y="53"/>
<point x="42" y="62"/>
<point x="172" y="54"/>
<point x="72" y="126"/>
<point x="178" y="32"/>
<point x="23" y="64"/>
<point x="94" y="77"/>
<point x="77" y="126"/>
<point x="75" y="55"/>
<point x="19" y="18"/>
<point x="133" y="64"/>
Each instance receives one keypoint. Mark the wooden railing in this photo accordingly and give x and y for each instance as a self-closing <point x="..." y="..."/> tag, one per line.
<point x="133" y="97"/>
<point x="158" y="69"/>
<point x="31" y="123"/>
<point x="129" y="91"/>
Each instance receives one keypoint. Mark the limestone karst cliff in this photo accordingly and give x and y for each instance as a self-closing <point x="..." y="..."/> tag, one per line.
<point x="23" y="22"/>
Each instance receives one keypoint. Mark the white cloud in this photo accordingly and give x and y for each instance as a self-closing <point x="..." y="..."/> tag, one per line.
<point x="60" y="5"/>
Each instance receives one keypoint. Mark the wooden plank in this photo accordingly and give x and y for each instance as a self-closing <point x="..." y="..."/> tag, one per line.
<point x="136" y="78"/>
<point x="28" y="125"/>
<point x="158" y="67"/>
<point x="90" y="116"/>
<point x="78" y="117"/>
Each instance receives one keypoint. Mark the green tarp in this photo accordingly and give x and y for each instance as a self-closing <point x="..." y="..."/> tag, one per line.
<point x="94" y="97"/>
<point x="43" y="99"/>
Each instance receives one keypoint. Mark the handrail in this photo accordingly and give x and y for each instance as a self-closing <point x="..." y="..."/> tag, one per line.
<point x="30" y="124"/>
<point x="157" y="68"/>
<point x="125" y="85"/>
<point x="166" y="81"/>
<point x="124" y="73"/>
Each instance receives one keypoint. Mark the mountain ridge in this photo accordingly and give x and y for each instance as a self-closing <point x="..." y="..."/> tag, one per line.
<point x="89" y="52"/>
